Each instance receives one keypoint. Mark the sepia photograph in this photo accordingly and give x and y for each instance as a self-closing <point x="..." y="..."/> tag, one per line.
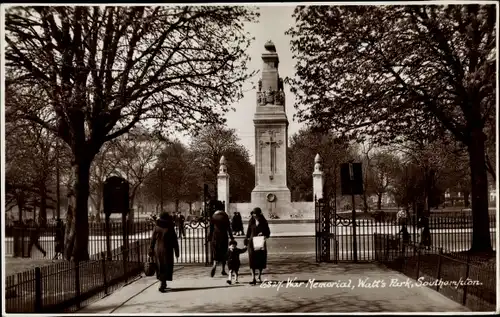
<point x="253" y="158"/>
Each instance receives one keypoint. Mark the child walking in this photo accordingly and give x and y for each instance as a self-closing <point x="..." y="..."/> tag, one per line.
<point x="233" y="261"/>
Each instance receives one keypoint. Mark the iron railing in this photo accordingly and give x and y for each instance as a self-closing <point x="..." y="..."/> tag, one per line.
<point x="67" y="286"/>
<point x="462" y="277"/>
<point x="334" y="234"/>
<point x="193" y="245"/>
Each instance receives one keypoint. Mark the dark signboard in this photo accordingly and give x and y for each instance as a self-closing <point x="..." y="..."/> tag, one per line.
<point x="351" y="179"/>
<point x="116" y="195"/>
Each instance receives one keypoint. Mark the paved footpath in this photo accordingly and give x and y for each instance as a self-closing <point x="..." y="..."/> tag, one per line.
<point x="336" y="288"/>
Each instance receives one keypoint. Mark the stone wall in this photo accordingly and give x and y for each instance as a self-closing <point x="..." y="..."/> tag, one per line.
<point x="294" y="210"/>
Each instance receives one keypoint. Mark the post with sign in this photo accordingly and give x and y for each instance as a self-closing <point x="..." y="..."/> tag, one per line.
<point x="352" y="184"/>
<point x="116" y="200"/>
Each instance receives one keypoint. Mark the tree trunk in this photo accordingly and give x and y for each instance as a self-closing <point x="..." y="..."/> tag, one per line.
<point x="69" y="235"/>
<point x="365" y="186"/>
<point x="131" y="221"/>
<point x="481" y="241"/>
<point x="176" y="205"/>
<point x="379" y="201"/>
<point x="466" y="199"/>
<point x="98" y="214"/>
<point x="365" y="200"/>
<point x="20" y="206"/>
<point x="76" y="247"/>
<point x="131" y="213"/>
<point x="490" y="168"/>
<point x="96" y="202"/>
<point x="42" y="215"/>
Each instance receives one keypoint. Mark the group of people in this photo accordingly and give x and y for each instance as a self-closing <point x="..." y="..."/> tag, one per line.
<point x="164" y="246"/>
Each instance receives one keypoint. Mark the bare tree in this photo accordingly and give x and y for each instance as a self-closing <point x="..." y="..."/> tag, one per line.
<point x="101" y="70"/>
<point x="31" y="155"/>
<point x="103" y="165"/>
<point x="136" y="155"/>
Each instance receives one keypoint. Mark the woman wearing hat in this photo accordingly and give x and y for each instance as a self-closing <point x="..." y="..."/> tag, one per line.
<point x="220" y="233"/>
<point x="163" y="246"/>
<point x="257" y="226"/>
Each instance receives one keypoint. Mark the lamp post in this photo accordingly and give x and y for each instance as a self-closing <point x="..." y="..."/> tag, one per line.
<point x="161" y="189"/>
<point x="58" y="189"/>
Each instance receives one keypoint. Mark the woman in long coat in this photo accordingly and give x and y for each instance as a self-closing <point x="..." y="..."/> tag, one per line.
<point x="237" y="224"/>
<point x="257" y="226"/>
<point x="426" y="232"/>
<point x="220" y="232"/>
<point x="163" y="246"/>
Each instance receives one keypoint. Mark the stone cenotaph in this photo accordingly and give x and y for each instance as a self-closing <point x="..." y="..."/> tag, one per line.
<point x="271" y="192"/>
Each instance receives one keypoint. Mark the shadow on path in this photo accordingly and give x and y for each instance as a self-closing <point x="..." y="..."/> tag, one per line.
<point x="183" y="289"/>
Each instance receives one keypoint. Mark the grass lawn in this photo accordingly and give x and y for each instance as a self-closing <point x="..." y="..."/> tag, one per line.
<point x="18" y="265"/>
<point x="59" y="281"/>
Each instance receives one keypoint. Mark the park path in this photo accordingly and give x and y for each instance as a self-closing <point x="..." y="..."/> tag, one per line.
<point x="193" y="291"/>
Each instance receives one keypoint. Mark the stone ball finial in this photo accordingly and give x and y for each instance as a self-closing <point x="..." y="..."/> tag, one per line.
<point x="317" y="159"/>
<point x="269" y="46"/>
<point x="222" y="168"/>
<point x="317" y="163"/>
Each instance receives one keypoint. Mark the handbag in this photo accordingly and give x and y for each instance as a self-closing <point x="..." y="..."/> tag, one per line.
<point x="150" y="267"/>
<point x="259" y="243"/>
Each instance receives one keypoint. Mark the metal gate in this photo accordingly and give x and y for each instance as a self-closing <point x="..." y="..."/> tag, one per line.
<point x="194" y="243"/>
<point x="209" y="209"/>
<point x="334" y="235"/>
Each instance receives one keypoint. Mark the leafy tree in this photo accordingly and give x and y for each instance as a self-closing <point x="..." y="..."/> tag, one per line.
<point x="98" y="71"/>
<point x="209" y="146"/>
<point x="242" y="174"/>
<point x="366" y="161"/>
<point x="442" y="164"/>
<point x="406" y="184"/>
<point x="381" y="174"/>
<point x="193" y="182"/>
<point x="172" y="179"/>
<point x="304" y="145"/>
<point x="397" y="72"/>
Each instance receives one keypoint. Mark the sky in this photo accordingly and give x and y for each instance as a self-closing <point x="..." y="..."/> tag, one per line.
<point x="273" y="22"/>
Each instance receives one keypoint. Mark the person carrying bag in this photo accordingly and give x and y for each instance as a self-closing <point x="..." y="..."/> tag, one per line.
<point x="150" y="266"/>
<point x="259" y="243"/>
<point x="257" y="233"/>
<point x="164" y="245"/>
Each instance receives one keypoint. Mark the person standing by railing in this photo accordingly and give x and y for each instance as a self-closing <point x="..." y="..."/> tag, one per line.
<point x="237" y="224"/>
<point x="180" y="225"/>
<point x="405" y="235"/>
<point x="425" y="234"/>
<point x="59" y="239"/>
<point x="35" y="239"/>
